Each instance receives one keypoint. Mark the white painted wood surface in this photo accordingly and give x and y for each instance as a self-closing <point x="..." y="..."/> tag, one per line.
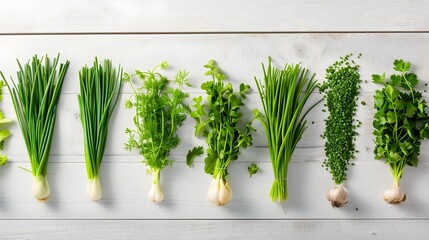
<point x="242" y="36"/>
<point x="47" y="16"/>
<point x="123" y="177"/>
<point x="190" y="229"/>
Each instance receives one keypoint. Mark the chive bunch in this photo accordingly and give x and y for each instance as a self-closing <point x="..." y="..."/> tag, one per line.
<point x="99" y="93"/>
<point x="284" y="93"/>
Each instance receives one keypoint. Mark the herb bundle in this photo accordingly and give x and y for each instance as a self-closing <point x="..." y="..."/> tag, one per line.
<point x="99" y="93"/>
<point x="4" y="133"/>
<point x="219" y="121"/>
<point x="35" y="98"/>
<point x="341" y="90"/>
<point x="400" y="124"/>
<point x="283" y="93"/>
<point x="159" y="112"/>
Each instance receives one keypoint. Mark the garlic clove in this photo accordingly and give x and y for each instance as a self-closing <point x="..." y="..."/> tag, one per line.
<point x="152" y="193"/>
<point x="213" y="192"/>
<point x="229" y="190"/>
<point x="394" y="195"/>
<point x="337" y="196"/>
<point x="224" y="193"/>
<point x="159" y="194"/>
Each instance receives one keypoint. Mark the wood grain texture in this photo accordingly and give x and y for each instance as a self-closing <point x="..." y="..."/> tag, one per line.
<point x="239" y="56"/>
<point x="47" y="16"/>
<point x="230" y="229"/>
<point x="125" y="189"/>
<point x="186" y="213"/>
<point x="123" y="176"/>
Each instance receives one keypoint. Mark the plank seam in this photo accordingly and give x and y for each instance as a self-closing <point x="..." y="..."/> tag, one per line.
<point x="211" y="33"/>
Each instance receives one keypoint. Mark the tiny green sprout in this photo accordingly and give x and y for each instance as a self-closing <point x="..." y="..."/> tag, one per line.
<point x="252" y="169"/>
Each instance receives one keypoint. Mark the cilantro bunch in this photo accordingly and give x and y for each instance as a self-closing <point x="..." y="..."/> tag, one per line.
<point x="400" y="124"/>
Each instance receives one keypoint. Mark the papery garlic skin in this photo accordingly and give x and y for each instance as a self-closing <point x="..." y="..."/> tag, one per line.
<point x="395" y="195"/>
<point x="94" y="189"/>
<point x="155" y="193"/>
<point x="337" y="196"/>
<point x="219" y="192"/>
<point x="41" y="189"/>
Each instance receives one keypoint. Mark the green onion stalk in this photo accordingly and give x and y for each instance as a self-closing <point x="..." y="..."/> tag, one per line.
<point x="35" y="98"/>
<point x="100" y="86"/>
<point x="284" y="93"/>
<point x="160" y="110"/>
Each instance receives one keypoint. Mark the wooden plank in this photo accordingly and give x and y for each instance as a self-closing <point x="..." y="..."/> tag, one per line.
<point x="239" y="56"/>
<point x="49" y="16"/>
<point x="224" y="229"/>
<point x="125" y="188"/>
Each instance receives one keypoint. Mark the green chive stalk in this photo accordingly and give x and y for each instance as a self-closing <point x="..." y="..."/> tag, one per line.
<point x="35" y="98"/>
<point x="284" y="93"/>
<point x="100" y="86"/>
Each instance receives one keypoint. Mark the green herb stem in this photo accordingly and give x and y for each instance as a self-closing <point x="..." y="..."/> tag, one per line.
<point x="284" y="93"/>
<point x="100" y="86"/>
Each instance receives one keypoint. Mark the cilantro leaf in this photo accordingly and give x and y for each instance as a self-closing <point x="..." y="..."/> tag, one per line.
<point x="192" y="154"/>
<point x="401" y="66"/>
<point x="252" y="169"/>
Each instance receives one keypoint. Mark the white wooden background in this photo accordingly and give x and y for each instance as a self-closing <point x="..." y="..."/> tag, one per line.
<point x="239" y="35"/>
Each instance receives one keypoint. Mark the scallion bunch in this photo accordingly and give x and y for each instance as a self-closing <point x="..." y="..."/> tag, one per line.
<point x="35" y="98"/>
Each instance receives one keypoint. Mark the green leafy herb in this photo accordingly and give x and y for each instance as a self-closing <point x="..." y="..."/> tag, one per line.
<point x="159" y="111"/>
<point x="192" y="154"/>
<point x="35" y="98"/>
<point x="252" y="169"/>
<point x="400" y="123"/>
<point x="5" y="132"/>
<point x="341" y="90"/>
<point x="219" y="121"/>
<point x="99" y="93"/>
<point x="283" y="93"/>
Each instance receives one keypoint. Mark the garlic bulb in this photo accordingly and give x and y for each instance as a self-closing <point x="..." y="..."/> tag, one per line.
<point x="156" y="194"/>
<point x="337" y="196"/>
<point x="395" y="195"/>
<point x="219" y="192"/>
<point x="41" y="189"/>
<point x="94" y="189"/>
